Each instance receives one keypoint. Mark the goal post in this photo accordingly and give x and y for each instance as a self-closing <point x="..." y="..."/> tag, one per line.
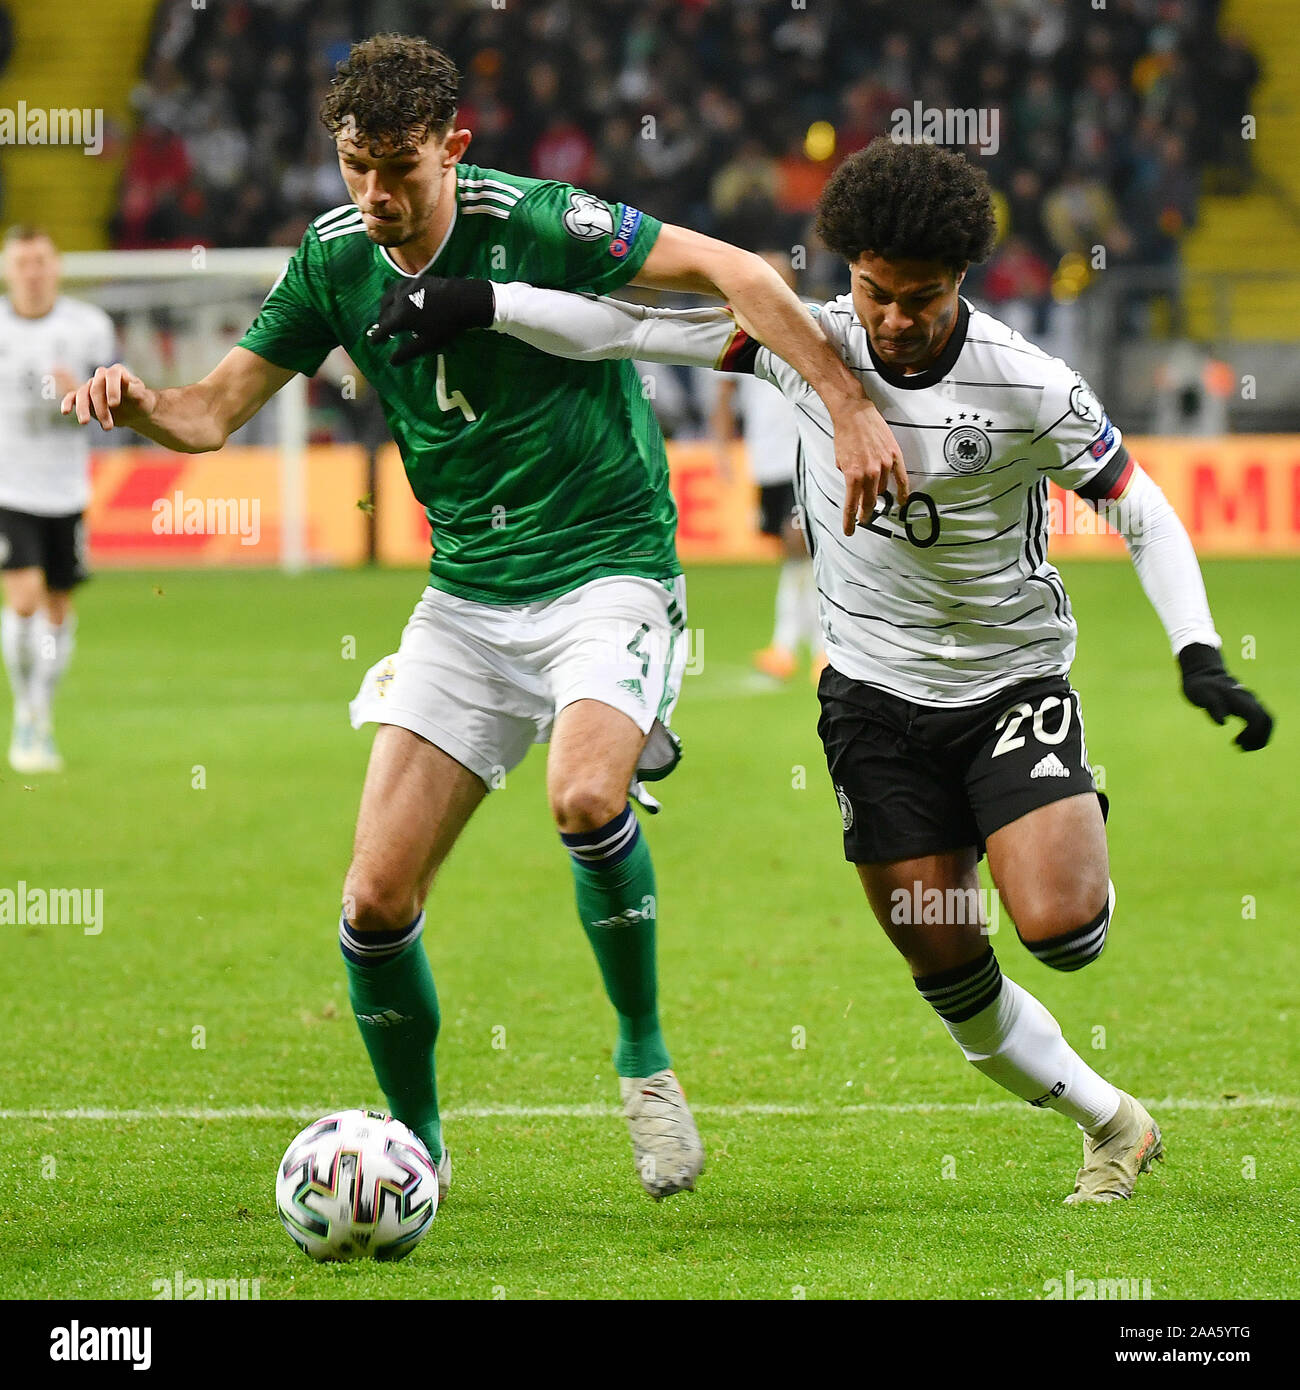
<point x="179" y="312"/>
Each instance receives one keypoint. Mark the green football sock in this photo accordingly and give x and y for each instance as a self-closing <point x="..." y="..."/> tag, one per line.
<point x="395" y="1004"/>
<point x="615" y="883"/>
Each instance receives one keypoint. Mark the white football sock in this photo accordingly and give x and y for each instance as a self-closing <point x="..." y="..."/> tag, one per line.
<point x="18" y="642"/>
<point x="788" y="606"/>
<point x="1017" y="1043"/>
<point x="54" y="647"/>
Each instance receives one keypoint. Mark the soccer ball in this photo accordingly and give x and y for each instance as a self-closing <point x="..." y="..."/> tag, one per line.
<point x="356" y="1185"/>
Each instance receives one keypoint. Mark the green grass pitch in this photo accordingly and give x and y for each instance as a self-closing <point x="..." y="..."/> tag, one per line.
<point x="870" y="1162"/>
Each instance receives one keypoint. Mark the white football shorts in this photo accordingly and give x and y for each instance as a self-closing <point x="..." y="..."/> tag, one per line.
<point x="484" y="681"/>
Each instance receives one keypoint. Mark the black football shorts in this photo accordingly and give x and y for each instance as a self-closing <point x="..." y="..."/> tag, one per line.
<point x="55" y="544"/>
<point x="775" y="508"/>
<point x="916" y="779"/>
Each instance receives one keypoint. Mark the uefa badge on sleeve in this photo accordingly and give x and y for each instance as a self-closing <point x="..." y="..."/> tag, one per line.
<point x="588" y="218"/>
<point x="1085" y="404"/>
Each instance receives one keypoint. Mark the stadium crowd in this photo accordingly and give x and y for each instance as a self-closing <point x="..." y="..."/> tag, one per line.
<point x="699" y="110"/>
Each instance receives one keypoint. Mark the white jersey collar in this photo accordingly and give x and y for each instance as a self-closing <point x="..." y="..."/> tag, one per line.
<point x="442" y="245"/>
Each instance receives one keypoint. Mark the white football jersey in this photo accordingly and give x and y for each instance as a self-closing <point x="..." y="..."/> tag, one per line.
<point x="44" y="456"/>
<point x="770" y="432"/>
<point x="950" y="598"/>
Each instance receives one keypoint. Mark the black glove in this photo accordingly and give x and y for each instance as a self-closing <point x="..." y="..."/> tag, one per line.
<point x="1207" y="683"/>
<point x="434" y="311"/>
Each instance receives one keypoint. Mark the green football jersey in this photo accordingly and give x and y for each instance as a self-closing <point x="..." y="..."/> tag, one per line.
<point x="537" y="474"/>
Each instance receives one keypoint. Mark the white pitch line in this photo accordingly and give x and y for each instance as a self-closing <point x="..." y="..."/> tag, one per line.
<point x="603" y="1112"/>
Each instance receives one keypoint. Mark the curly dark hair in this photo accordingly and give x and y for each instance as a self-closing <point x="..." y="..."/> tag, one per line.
<point x="391" y="92"/>
<point x="908" y="203"/>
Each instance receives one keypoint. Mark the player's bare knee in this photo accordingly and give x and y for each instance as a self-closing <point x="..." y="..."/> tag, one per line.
<point x="23" y="590"/>
<point x="373" y="903"/>
<point x="585" y="805"/>
<point x="1067" y="930"/>
<point x="58" y="607"/>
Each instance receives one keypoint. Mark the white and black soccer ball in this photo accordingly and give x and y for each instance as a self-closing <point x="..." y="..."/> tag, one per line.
<point x="356" y="1185"/>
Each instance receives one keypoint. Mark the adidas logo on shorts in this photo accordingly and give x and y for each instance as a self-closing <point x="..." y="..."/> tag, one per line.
<point x="1050" y="766"/>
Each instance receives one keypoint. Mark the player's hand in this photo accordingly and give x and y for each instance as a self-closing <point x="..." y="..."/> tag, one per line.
<point x="114" y="396"/>
<point x="1207" y="683"/>
<point x="434" y="311"/>
<point x="64" y="380"/>
<point x="868" y="455"/>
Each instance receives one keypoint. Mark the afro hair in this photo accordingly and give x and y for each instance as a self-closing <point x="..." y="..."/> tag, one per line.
<point x="908" y="203"/>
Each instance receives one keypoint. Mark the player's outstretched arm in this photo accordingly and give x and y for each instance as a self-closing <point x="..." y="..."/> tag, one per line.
<point x="1167" y="566"/>
<point x="434" y="311"/>
<point x="192" y="419"/>
<point x="866" y="451"/>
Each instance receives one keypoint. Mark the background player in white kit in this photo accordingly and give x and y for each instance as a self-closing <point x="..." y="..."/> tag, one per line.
<point x="949" y="724"/>
<point x="771" y="438"/>
<point x="48" y="344"/>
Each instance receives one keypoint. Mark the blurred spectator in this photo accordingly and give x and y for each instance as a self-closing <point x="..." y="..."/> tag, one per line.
<point x="895" y="68"/>
<point x="315" y="181"/>
<point x="1040" y="108"/>
<point x="1024" y="200"/>
<point x="1172" y="206"/>
<point x="160" y="204"/>
<point x="743" y="195"/>
<point x="251" y="219"/>
<point x="799" y="179"/>
<point x="1017" y="282"/>
<point x="163" y="96"/>
<point x="866" y="109"/>
<point x="674" y="163"/>
<point x="564" y="152"/>
<point x="1080" y="213"/>
<point x="1103" y="112"/>
<point x="1233" y="75"/>
<point x="220" y="155"/>
<point x="1192" y="392"/>
<point x="1046" y="28"/>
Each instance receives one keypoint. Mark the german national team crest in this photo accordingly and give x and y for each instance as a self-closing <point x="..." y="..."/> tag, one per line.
<point x="967" y="449"/>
